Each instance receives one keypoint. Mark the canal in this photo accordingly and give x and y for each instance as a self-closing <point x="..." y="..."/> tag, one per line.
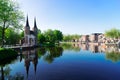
<point x="65" y="62"/>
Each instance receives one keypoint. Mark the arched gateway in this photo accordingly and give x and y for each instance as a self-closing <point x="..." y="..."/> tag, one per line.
<point x="30" y="36"/>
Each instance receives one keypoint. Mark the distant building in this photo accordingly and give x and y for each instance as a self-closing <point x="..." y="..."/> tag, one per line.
<point x="94" y="37"/>
<point x="30" y="36"/>
<point x="84" y="38"/>
<point x="101" y="38"/>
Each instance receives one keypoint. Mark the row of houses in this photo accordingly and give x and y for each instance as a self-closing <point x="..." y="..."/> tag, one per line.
<point x="91" y="38"/>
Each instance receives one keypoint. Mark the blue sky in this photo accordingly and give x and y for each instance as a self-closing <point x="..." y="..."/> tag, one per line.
<point x="73" y="16"/>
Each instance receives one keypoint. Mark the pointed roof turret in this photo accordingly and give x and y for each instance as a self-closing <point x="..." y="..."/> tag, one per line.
<point x="27" y="22"/>
<point x="35" y="26"/>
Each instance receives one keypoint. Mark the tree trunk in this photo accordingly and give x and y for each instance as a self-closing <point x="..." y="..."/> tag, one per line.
<point x="3" y="35"/>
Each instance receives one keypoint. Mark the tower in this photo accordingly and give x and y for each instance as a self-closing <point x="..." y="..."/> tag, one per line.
<point x="26" y="31"/>
<point x="27" y="28"/>
<point x="30" y="36"/>
<point x="35" y="30"/>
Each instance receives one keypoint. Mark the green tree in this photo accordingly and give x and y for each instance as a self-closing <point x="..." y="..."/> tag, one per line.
<point x="113" y="33"/>
<point x="0" y="34"/>
<point x="11" y="36"/>
<point x="39" y="31"/>
<point x="41" y="38"/>
<point x="49" y="35"/>
<point x="22" y="34"/>
<point x="10" y="16"/>
<point x="66" y="38"/>
<point x="58" y="35"/>
<point x="71" y="37"/>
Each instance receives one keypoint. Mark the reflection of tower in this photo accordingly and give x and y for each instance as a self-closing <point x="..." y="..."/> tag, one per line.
<point x="30" y="55"/>
<point x="27" y="65"/>
<point x="84" y="46"/>
<point x="27" y="61"/>
<point x="35" y="61"/>
<point x="96" y="49"/>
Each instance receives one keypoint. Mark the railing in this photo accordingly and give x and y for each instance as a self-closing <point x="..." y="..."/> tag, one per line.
<point x="17" y="46"/>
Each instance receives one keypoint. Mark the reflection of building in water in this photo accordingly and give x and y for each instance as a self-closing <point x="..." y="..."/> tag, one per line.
<point x="76" y="45"/>
<point x="92" y="47"/>
<point x="112" y="48"/>
<point x="84" y="47"/>
<point x="30" y="56"/>
<point x="95" y="48"/>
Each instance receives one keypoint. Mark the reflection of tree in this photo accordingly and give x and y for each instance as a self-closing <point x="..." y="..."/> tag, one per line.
<point x="114" y="56"/>
<point x="41" y="51"/>
<point x="49" y="58"/>
<point x="5" y="70"/>
<point x="2" y="74"/>
<point x="5" y="74"/>
<point x="53" y="52"/>
<point x="68" y="46"/>
<point x="17" y="76"/>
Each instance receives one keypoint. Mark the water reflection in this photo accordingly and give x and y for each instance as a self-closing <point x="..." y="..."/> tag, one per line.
<point x="91" y="47"/>
<point x="52" y="53"/>
<point x="5" y="70"/>
<point x="112" y="51"/>
<point x="96" y="48"/>
<point x="32" y="56"/>
<point x="114" y="56"/>
<point x="74" y="47"/>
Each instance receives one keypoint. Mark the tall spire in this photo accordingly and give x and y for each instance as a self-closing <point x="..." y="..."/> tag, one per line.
<point x="27" y="22"/>
<point x="35" y="26"/>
